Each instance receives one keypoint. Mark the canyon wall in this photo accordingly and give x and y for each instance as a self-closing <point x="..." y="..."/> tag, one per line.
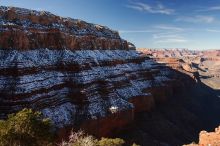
<point x="80" y="75"/>
<point x="24" y="29"/>
<point x="83" y="75"/>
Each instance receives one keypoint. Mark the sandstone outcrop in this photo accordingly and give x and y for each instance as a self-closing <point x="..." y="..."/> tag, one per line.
<point x="210" y="138"/>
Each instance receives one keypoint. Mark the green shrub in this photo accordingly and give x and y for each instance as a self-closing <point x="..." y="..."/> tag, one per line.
<point x="111" y="142"/>
<point x="26" y="128"/>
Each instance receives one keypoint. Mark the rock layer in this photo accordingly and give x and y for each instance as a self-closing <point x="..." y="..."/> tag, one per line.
<point x="70" y="87"/>
<point x="24" y="29"/>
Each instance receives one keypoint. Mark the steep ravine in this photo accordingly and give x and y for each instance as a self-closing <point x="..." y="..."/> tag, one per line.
<point x="82" y="75"/>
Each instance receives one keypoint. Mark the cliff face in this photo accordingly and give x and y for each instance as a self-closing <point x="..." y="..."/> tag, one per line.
<point x="78" y="74"/>
<point x="24" y="29"/>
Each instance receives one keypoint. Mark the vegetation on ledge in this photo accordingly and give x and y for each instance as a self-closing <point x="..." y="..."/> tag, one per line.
<point x="26" y="128"/>
<point x="29" y="128"/>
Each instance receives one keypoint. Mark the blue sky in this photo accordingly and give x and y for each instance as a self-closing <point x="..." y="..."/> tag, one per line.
<point x="193" y="24"/>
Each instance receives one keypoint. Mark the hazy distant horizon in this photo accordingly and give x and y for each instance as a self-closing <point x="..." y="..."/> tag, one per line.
<point x="145" y="23"/>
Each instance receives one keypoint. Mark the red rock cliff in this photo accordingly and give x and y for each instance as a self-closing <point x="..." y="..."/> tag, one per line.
<point x="24" y="29"/>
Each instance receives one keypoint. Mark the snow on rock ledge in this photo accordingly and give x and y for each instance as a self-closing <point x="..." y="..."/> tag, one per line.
<point x="25" y="29"/>
<point x="76" y="73"/>
<point x="71" y="86"/>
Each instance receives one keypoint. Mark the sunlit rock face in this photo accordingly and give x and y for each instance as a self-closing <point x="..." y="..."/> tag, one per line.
<point x="24" y="29"/>
<point x="210" y="138"/>
<point x="75" y="73"/>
